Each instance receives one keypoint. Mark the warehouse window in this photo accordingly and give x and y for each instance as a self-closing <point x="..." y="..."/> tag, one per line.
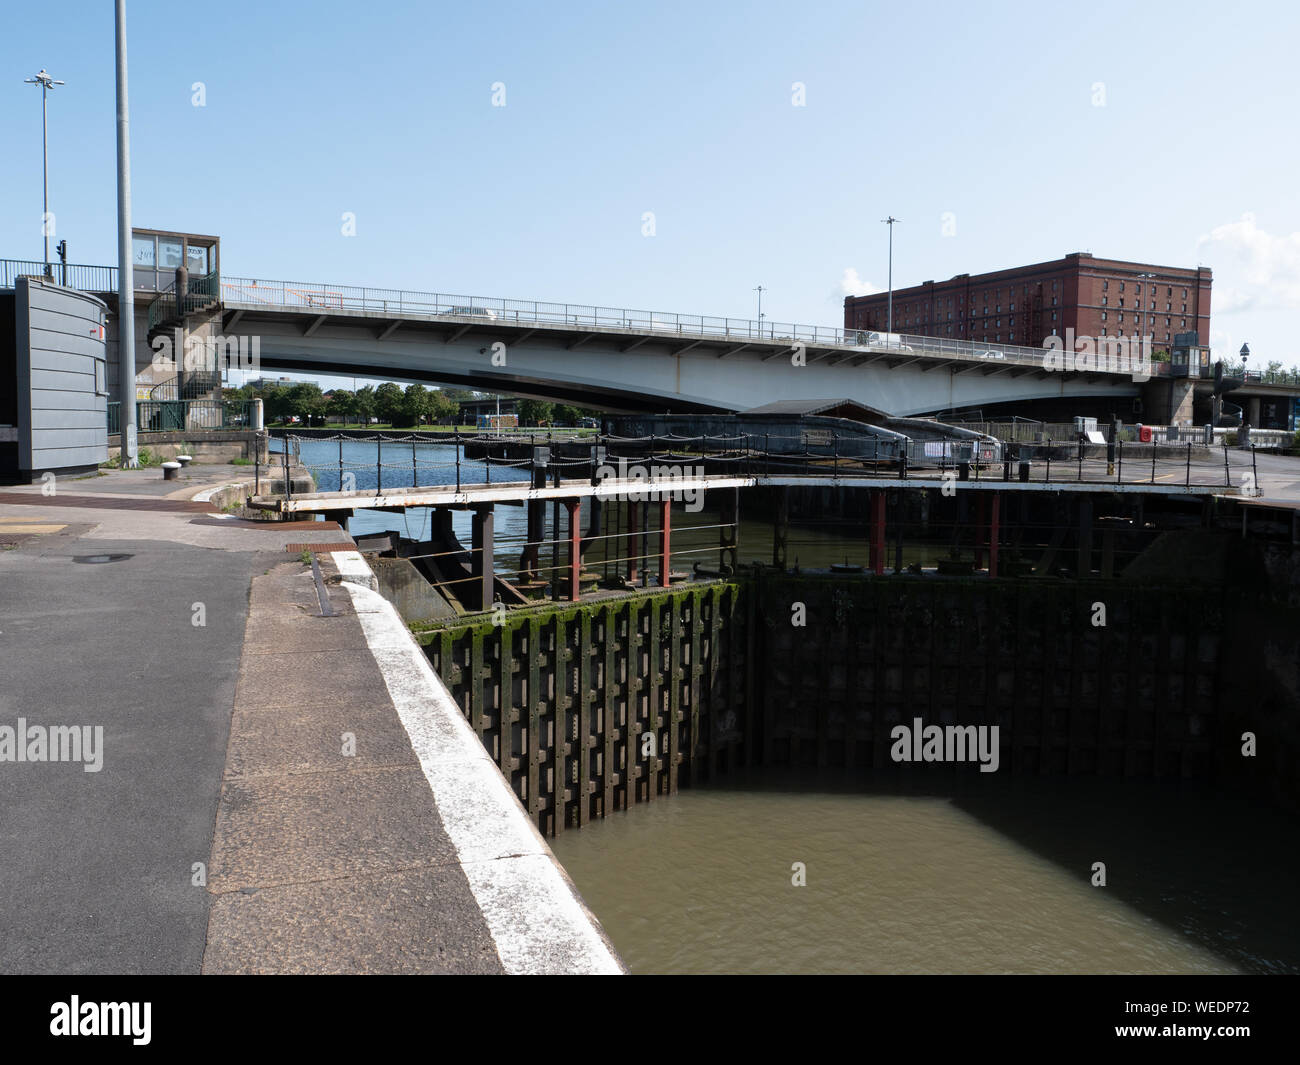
<point x="101" y="384"/>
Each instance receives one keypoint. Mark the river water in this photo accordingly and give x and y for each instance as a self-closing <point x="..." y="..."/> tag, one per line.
<point x="905" y="872"/>
<point x="963" y="874"/>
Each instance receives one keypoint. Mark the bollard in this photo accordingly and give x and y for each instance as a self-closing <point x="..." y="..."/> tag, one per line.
<point x="1024" y="471"/>
<point x="170" y="470"/>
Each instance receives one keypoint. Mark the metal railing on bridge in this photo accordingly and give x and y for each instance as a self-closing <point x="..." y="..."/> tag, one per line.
<point x="256" y="293"/>
<point x="487" y="310"/>
<point x="184" y="415"/>
<point x="73" y="275"/>
<point x="420" y="460"/>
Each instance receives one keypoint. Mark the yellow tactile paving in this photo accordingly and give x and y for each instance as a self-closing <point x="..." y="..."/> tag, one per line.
<point x="28" y="527"/>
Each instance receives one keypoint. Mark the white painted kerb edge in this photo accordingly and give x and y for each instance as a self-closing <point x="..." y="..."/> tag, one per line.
<point x="355" y="570"/>
<point x="535" y="916"/>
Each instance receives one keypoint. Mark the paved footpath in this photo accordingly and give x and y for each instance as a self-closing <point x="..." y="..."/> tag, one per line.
<point x="284" y="785"/>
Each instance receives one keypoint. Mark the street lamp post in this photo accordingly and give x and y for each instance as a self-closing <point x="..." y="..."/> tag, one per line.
<point x="759" y="290"/>
<point x="889" y="328"/>
<point x="46" y="83"/>
<point x="125" y="280"/>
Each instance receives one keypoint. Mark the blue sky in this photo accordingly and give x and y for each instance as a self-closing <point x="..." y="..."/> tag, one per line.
<point x="1035" y="130"/>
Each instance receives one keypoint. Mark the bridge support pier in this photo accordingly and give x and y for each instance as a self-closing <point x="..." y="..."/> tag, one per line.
<point x="482" y="558"/>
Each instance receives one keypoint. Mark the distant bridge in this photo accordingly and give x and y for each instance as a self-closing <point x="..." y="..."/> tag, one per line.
<point x="617" y="359"/>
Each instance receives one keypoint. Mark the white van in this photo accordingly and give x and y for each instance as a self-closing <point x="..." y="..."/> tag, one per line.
<point x="887" y="340"/>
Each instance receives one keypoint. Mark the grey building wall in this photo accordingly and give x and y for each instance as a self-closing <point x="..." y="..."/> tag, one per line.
<point x="62" y="379"/>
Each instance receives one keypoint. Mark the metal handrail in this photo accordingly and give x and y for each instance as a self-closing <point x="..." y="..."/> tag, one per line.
<point x="201" y="292"/>
<point x="184" y="415"/>
<point x="84" y="276"/>
<point x="256" y="293"/>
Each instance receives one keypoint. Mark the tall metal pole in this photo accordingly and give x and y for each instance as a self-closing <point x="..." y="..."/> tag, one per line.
<point x="45" y="172"/>
<point x="889" y="329"/>
<point x="759" y="290"/>
<point x="46" y="83"/>
<point x="125" y="286"/>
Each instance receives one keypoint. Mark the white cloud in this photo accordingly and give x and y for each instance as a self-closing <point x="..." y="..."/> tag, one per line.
<point x="852" y="285"/>
<point x="1252" y="267"/>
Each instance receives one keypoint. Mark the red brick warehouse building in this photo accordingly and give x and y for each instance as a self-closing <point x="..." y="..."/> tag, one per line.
<point x="1023" y="305"/>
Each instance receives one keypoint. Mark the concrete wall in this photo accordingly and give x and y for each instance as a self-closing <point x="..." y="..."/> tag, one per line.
<point x="61" y="378"/>
<point x="213" y="446"/>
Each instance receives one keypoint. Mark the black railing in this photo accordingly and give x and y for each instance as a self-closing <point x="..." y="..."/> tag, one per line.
<point x="81" y="276"/>
<point x="399" y="461"/>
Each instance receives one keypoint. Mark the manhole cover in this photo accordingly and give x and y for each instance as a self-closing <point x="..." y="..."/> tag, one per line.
<point x="92" y="559"/>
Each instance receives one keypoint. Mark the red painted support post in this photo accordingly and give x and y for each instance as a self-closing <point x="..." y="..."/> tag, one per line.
<point x="878" y="532"/>
<point x="979" y="530"/>
<point x="633" y="548"/>
<point x="665" y="538"/>
<point x="994" y="533"/>
<point x="575" y="549"/>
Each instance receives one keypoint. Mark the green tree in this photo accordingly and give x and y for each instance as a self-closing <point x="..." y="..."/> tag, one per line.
<point x="364" y="404"/>
<point x="566" y="414"/>
<point x="306" y="400"/>
<point x="535" y="412"/>
<point x="442" y="408"/>
<point x="275" y="403"/>
<point x="388" y="402"/>
<point x="415" y="404"/>
<point x="342" y="404"/>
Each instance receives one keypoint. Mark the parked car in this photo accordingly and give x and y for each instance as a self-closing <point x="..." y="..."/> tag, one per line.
<point x="992" y="355"/>
<point x="588" y="423"/>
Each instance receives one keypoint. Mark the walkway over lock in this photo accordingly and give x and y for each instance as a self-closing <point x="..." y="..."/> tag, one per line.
<point x="688" y="470"/>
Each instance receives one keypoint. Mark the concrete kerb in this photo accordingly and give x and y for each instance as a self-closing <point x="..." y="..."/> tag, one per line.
<point x="536" y="917"/>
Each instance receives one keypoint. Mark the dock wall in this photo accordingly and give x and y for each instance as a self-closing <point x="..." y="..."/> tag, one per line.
<point x="589" y="708"/>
